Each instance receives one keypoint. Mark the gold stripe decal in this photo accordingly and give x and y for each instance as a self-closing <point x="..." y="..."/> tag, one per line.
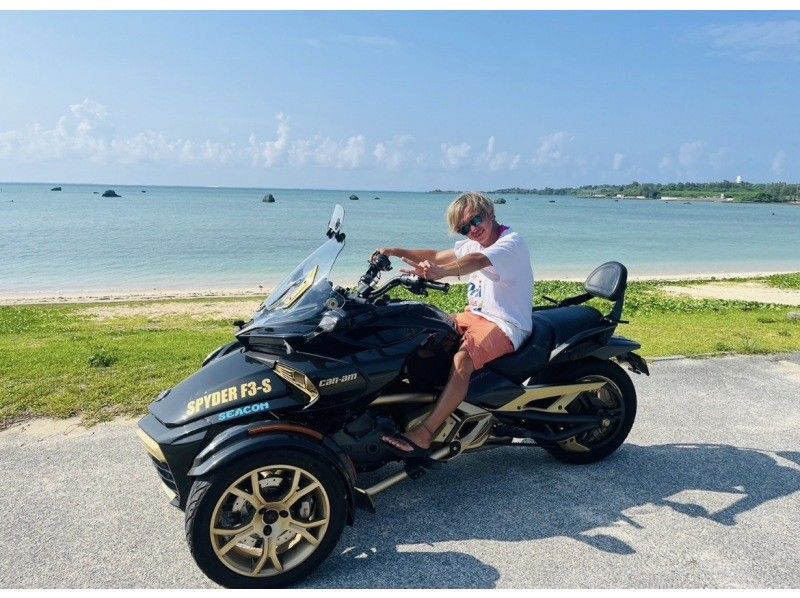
<point x="565" y="393"/>
<point x="298" y="380"/>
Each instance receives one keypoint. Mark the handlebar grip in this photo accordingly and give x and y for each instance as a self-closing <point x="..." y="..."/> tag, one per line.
<point x="414" y="282"/>
<point x="438" y="286"/>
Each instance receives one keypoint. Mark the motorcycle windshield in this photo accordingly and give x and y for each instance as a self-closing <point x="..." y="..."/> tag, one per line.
<point x="304" y="292"/>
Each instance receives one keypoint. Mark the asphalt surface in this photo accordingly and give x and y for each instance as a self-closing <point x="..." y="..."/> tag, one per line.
<point x="704" y="494"/>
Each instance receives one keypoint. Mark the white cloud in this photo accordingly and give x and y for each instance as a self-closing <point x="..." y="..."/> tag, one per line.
<point x="497" y="160"/>
<point x="89" y="112"/>
<point x="267" y="153"/>
<point x="617" y="161"/>
<point x="778" y="167"/>
<point x="693" y="158"/>
<point x="753" y="42"/>
<point x="151" y="146"/>
<point x="393" y="155"/>
<point x="142" y="147"/>
<point x="353" y="151"/>
<point x="86" y="133"/>
<point x="454" y="155"/>
<point x="315" y="43"/>
<point x="325" y="152"/>
<point x="551" y="150"/>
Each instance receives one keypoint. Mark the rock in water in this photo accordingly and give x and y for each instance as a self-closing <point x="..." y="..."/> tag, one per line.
<point x="354" y="196"/>
<point x="56" y="189"/>
<point x="110" y="193"/>
<point x="501" y="200"/>
<point x="268" y="198"/>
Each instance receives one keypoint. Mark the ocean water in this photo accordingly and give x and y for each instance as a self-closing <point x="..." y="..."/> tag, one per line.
<point x="203" y="238"/>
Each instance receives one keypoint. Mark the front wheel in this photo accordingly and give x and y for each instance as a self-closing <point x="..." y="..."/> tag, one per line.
<point x="615" y="401"/>
<point x="267" y="521"/>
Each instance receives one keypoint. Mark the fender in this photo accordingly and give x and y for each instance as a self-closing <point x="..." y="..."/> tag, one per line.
<point x="622" y="349"/>
<point x="241" y="441"/>
<point x="582" y="344"/>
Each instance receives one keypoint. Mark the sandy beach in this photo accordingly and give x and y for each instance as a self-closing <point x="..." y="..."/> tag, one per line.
<point x="43" y="298"/>
<point x="726" y="289"/>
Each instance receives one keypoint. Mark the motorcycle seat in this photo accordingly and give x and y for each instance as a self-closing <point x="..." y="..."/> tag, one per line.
<point x="551" y="327"/>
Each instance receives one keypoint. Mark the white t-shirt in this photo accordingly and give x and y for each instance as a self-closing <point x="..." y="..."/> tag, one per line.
<point x="503" y="292"/>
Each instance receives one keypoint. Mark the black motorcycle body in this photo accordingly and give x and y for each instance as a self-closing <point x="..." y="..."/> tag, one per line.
<point x="263" y="446"/>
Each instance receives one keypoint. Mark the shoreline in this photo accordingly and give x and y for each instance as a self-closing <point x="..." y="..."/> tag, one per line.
<point x="153" y="295"/>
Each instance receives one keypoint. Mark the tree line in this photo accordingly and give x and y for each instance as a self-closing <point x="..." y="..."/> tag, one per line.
<point x="756" y="192"/>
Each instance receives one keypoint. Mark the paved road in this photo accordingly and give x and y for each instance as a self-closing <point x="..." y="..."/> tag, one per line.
<point x="704" y="494"/>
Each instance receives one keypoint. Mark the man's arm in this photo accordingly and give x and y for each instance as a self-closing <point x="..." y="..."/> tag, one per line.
<point x="457" y="267"/>
<point x="420" y="255"/>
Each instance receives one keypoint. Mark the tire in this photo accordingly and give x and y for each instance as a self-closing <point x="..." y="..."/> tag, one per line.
<point x="596" y="444"/>
<point x="281" y="533"/>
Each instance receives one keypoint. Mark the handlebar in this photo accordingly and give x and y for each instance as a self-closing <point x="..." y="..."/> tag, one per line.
<point x="414" y="282"/>
<point x="415" y="285"/>
<point x="378" y="263"/>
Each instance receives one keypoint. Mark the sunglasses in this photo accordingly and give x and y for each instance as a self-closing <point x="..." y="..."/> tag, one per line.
<point x="476" y="221"/>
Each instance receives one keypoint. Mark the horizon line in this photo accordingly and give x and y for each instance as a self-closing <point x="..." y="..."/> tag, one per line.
<point x="497" y="190"/>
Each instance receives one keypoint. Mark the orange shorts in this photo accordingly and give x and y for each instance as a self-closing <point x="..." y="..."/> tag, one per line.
<point x="481" y="339"/>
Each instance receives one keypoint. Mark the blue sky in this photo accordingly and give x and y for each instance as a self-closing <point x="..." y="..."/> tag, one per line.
<point x="406" y="101"/>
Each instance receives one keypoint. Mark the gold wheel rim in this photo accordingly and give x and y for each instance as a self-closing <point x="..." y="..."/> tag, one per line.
<point x="269" y="521"/>
<point x="611" y="392"/>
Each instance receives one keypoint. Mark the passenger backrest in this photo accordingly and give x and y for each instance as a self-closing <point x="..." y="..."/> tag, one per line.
<point x="607" y="281"/>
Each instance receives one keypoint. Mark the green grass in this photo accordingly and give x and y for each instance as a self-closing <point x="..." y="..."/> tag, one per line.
<point x="58" y="361"/>
<point x="790" y="282"/>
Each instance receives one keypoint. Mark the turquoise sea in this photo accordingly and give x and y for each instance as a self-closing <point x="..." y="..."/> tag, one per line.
<point x="74" y="240"/>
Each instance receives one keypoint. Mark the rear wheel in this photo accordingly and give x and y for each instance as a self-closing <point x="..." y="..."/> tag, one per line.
<point x="615" y="402"/>
<point x="267" y="521"/>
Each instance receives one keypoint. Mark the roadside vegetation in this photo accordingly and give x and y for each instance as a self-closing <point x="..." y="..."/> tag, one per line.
<point x="65" y="360"/>
<point x="789" y="282"/>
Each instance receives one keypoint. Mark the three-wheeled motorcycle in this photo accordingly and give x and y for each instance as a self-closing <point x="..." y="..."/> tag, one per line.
<point x="262" y="447"/>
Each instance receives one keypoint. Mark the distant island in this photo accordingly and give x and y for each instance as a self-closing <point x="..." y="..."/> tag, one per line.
<point x="721" y="191"/>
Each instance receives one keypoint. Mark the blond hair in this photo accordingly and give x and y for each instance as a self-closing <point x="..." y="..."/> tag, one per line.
<point x="468" y="202"/>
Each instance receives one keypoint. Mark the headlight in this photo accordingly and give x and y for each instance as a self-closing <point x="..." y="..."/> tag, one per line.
<point x="151" y="446"/>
